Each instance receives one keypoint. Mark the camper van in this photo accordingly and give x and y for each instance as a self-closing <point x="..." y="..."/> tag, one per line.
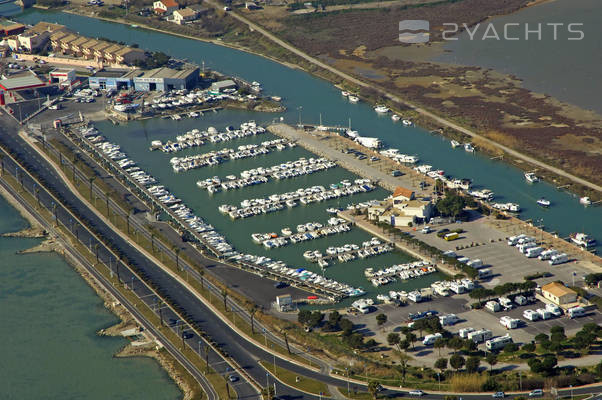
<point x="464" y="332"/>
<point x="559" y="259"/>
<point x="506" y="303"/>
<point x="554" y="309"/>
<point x="498" y="343"/>
<point x="513" y="240"/>
<point x="476" y="263"/>
<point x="509" y="323"/>
<point x="449" y="319"/>
<point x="484" y="273"/>
<point x="576" y="312"/>
<point x="531" y="315"/>
<point x="533" y="252"/>
<point x="526" y="246"/>
<point x="546" y="255"/>
<point x="520" y="300"/>
<point x="544" y="314"/>
<point x="457" y="288"/>
<point x="493" y="306"/>
<point x="415" y="296"/>
<point x="480" y="335"/>
<point x="430" y="339"/>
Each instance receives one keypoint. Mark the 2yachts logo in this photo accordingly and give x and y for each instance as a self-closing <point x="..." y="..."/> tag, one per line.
<point x="414" y="31"/>
<point x="417" y="31"/>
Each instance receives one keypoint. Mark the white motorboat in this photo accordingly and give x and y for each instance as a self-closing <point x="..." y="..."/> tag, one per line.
<point x="455" y="143"/>
<point x="544" y="202"/>
<point x="345" y="93"/>
<point x="395" y="117"/>
<point x="353" y="99"/>
<point x="583" y="239"/>
<point x="381" y="109"/>
<point x="407" y="122"/>
<point x="586" y="201"/>
<point x="469" y="147"/>
<point x="531" y="177"/>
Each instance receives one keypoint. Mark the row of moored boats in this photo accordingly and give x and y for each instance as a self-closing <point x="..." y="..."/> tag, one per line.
<point x="180" y="164"/>
<point x="305" y="232"/>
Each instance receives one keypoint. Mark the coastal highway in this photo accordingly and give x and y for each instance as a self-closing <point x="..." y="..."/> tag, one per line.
<point x="108" y="286"/>
<point x="246" y="354"/>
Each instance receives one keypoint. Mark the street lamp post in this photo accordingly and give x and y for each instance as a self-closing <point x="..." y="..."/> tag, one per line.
<point x="347" y="370"/>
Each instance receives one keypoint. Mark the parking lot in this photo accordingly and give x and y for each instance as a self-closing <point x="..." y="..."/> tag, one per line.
<point x="482" y="241"/>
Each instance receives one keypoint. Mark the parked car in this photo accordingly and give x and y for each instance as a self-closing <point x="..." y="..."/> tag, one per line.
<point x="416" y="393"/>
<point x="233" y="378"/>
<point x="536" y="393"/>
<point x="498" y="395"/>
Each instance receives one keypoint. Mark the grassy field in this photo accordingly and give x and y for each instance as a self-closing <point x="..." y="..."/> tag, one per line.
<point x="297" y="381"/>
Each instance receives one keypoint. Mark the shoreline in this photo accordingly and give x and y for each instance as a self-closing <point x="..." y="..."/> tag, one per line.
<point x="125" y="318"/>
<point x="553" y="174"/>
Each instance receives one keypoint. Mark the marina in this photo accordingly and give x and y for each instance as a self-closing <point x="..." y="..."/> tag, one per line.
<point x="349" y="252"/>
<point x="305" y="232"/>
<point x="278" y="202"/>
<point x="194" y="137"/>
<point x="256" y="176"/>
<point x="182" y="164"/>
<point x="567" y="215"/>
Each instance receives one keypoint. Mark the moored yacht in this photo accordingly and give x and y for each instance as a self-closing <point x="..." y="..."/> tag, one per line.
<point x="469" y="147"/>
<point x="586" y="201"/>
<point x="455" y="143"/>
<point x="531" y="177"/>
<point x="544" y="202"/>
<point x="395" y="117"/>
<point x="381" y="109"/>
<point x="345" y="93"/>
<point x="354" y="99"/>
<point x="583" y="239"/>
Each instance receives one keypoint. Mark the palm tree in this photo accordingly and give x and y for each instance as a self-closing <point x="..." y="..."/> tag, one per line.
<point x="202" y="273"/>
<point x="153" y="242"/>
<point x="107" y="200"/>
<point x="373" y="388"/>
<point x="411" y="337"/>
<point x="439" y="344"/>
<point x="177" y="250"/>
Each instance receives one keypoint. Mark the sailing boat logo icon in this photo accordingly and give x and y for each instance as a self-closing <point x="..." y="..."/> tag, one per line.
<point x="414" y="31"/>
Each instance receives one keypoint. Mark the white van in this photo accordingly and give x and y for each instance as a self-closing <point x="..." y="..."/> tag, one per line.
<point x="576" y="312"/>
<point x="545" y="314"/>
<point x="484" y="273"/>
<point x="513" y="240"/>
<point x="526" y="246"/>
<point x="554" y="309"/>
<point x="531" y="315"/>
<point x="533" y="252"/>
<point x="498" y="343"/>
<point x="559" y="259"/>
<point x="464" y="332"/>
<point x="429" y="340"/>
<point x="476" y="263"/>
<point x="449" y="319"/>
<point x="493" y="306"/>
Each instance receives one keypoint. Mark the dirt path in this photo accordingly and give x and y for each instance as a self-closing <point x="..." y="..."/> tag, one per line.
<point x="399" y="100"/>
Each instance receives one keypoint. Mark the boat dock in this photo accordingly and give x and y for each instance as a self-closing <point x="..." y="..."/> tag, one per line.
<point x="182" y="164"/>
<point x="257" y="176"/>
<point x="349" y="252"/>
<point x="305" y="232"/>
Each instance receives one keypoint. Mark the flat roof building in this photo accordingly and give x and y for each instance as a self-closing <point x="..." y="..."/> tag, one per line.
<point x="9" y="28"/>
<point x="166" y="79"/>
<point x="113" y="79"/>
<point x="27" y="80"/>
<point x="217" y="87"/>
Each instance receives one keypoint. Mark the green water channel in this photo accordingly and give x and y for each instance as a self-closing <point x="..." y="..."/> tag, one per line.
<point x="50" y="316"/>
<point x="135" y="139"/>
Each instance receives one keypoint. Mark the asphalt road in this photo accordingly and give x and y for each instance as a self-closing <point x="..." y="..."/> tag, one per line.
<point x="246" y="354"/>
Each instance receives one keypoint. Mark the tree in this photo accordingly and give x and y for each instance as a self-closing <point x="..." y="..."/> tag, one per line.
<point x="373" y="388"/>
<point x="439" y="344"/>
<point x="393" y="339"/>
<point x="411" y="337"/>
<point x="541" y="337"/>
<point x="346" y="326"/>
<point x="557" y="334"/>
<point x="472" y="364"/>
<point x="225" y="298"/>
<point x="404" y="362"/>
<point x="528" y="347"/>
<point x="592" y="279"/>
<point x="441" y="364"/>
<point x="451" y="205"/>
<point x="457" y="361"/>
<point x="491" y="360"/>
<point x="510" y="348"/>
<point x="303" y="317"/>
<point x="315" y="319"/>
<point x="455" y="343"/>
<point x="598" y="369"/>
<point x="381" y="319"/>
<point x="404" y="345"/>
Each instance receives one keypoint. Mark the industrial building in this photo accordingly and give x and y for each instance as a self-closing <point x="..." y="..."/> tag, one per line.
<point x="219" y="86"/>
<point x="26" y="80"/>
<point x="113" y="80"/>
<point x="9" y="28"/>
<point x="159" y="79"/>
<point x="166" y="79"/>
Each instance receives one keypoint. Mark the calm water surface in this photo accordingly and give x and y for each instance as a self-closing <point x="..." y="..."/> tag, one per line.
<point x="566" y="69"/>
<point x="50" y="316"/>
<point x="316" y="97"/>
